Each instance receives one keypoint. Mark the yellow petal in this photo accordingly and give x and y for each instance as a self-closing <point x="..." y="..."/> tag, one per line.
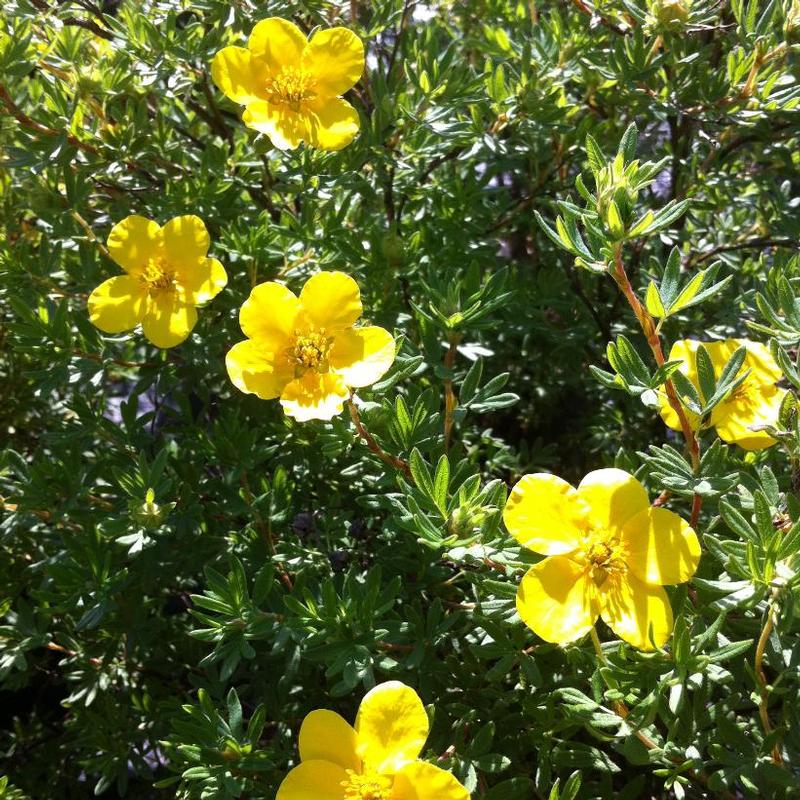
<point x="285" y="127"/>
<point x="270" y="313"/>
<point x="545" y="514"/>
<point x="167" y="319"/>
<point x="313" y="780"/>
<point x="335" y="57"/>
<point x="201" y="281"/>
<point x="751" y="405"/>
<point x="314" y="396"/>
<point x="326" y="736"/>
<point x="613" y="497"/>
<point x="255" y="370"/>
<point x="133" y="241"/>
<point x="684" y="351"/>
<point x="556" y="601"/>
<point x="277" y="43"/>
<point x="362" y="355"/>
<point x="634" y="610"/>
<point x="117" y="304"/>
<point x="332" y="123"/>
<point x="660" y="547"/>
<point x="331" y="300"/>
<point x="422" y="781"/>
<point x="392" y="727"/>
<point x="762" y="366"/>
<point x="236" y="75"/>
<point x="186" y="240"/>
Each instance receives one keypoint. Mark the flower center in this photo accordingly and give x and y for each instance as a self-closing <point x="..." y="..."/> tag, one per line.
<point x="745" y="394"/>
<point x="310" y="350"/>
<point x="291" y="86"/>
<point x="366" y="787"/>
<point x="158" y="276"/>
<point x="602" y="558"/>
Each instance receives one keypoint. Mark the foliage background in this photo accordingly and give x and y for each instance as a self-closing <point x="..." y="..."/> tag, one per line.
<point x="294" y="570"/>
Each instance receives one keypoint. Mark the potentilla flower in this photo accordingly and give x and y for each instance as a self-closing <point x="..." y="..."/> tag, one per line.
<point x="378" y="759"/>
<point x="609" y="555"/>
<point x="291" y="86"/>
<point x="168" y="274"/>
<point x="756" y="402"/>
<point x="305" y="349"/>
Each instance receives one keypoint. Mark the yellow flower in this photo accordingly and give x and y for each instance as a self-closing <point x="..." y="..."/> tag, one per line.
<point x="609" y="554"/>
<point x="305" y="349"/>
<point x="376" y="760"/>
<point x="756" y="402"/>
<point x="168" y="274"/>
<point x="291" y="86"/>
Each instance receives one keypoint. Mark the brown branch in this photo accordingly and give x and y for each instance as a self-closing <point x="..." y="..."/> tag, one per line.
<point x="654" y="341"/>
<point x="71" y="653"/>
<point x="581" y="6"/>
<point x="750" y="244"/>
<point x="31" y="124"/>
<point x="761" y="679"/>
<point x="450" y="399"/>
<point x="264" y="527"/>
<point x="88" y="25"/>
<point x="372" y="444"/>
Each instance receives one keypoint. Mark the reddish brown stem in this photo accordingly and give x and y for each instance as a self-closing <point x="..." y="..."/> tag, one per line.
<point x="374" y="447"/>
<point x="265" y="529"/>
<point x="761" y="680"/>
<point x="450" y="399"/>
<point x="653" y="340"/>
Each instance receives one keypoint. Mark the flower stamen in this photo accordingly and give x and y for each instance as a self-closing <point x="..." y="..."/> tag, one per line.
<point x="158" y="276"/>
<point x="310" y="350"/>
<point x="291" y="87"/>
<point x="366" y="787"/>
<point x="602" y="560"/>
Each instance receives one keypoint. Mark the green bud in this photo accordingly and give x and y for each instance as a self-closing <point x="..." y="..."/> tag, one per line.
<point x="668" y="16"/>
<point x="791" y="27"/>
<point x="616" y="197"/>
<point x="464" y="519"/>
<point x="150" y="514"/>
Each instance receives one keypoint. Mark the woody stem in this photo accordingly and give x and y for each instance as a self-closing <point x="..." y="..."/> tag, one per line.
<point x="450" y="399"/>
<point x="623" y="711"/>
<point x="648" y="327"/>
<point x="761" y="678"/>
<point x="619" y="706"/>
<point x="372" y="444"/>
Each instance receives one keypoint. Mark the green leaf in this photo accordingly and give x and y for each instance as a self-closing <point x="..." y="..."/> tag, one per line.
<point x="653" y="301"/>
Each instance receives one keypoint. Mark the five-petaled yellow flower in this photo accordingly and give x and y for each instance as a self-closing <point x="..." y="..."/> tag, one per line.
<point x="756" y="402"/>
<point x="376" y="760"/>
<point x="609" y="554"/>
<point x="291" y="86"/>
<point x="305" y="349"/>
<point x="168" y="274"/>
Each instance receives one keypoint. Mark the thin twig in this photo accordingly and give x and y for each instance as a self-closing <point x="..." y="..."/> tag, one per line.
<point x="265" y="529"/>
<point x="623" y="711"/>
<point x="654" y="341"/>
<point x="761" y="678"/>
<point x="450" y="399"/>
<point x="759" y="243"/>
<point x="374" y="447"/>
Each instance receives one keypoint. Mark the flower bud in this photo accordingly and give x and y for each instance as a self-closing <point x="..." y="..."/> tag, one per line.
<point x="150" y="514"/>
<point x="791" y="27"/>
<point x="668" y="16"/>
<point x="464" y="519"/>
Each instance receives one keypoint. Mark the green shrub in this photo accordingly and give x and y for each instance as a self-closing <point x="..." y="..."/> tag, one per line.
<point x="543" y="201"/>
